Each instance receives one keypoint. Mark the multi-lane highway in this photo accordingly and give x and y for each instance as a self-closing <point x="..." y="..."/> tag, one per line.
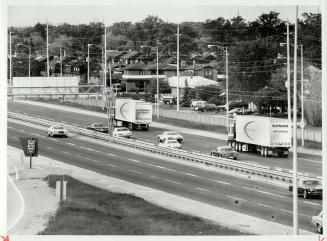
<point x="245" y="196"/>
<point x="306" y="162"/>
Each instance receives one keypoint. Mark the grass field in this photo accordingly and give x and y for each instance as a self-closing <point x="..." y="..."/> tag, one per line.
<point x="89" y="210"/>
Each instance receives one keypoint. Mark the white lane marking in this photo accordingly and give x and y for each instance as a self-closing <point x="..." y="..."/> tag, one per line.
<point x="9" y="127"/>
<point x="264" y="205"/>
<point x="21" y="130"/>
<point x="315" y="204"/>
<point x="86" y="148"/>
<point x="72" y="144"/>
<point x="272" y="194"/>
<point x="109" y="154"/>
<point x="285" y="210"/>
<point x="167" y="180"/>
<point x="247" y="188"/>
<point x="202" y="189"/>
<point x="54" y="139"/>
<point x="190" y="174"/>
<point x="309" y="160"/>
<point x="112" y="165"/>
<point x="95" y="161"/>
<point x="148" y="140"/>
<point x="22" y="210"/>
<point x="166" y="168"/>
<point x="40" y="168"/>
<point x="155" y="177"/>
<point x="66" y="152"/>
<point x="134" y="171"/>
<point x="305" y="215"/>
<point x="237" y="198"/>
<point x="87" y="158"/>
<point x="221" y="182"/>
<point x="50" y="148"/>
<point x="133" y="160"/>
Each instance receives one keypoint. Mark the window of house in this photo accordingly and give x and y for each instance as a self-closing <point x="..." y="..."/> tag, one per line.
<point x="208" y="72"/>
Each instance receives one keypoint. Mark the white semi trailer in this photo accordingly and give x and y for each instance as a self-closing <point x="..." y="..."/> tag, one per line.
<point x="263" y="134"/>
<point x="133" y="113"/>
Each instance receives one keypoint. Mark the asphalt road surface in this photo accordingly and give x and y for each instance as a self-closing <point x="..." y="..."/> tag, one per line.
<point x="306" y="163"/>
<point x="245" y="196"/>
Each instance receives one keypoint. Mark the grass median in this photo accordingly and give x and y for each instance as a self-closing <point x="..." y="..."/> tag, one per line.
<point x="89" y="210"/>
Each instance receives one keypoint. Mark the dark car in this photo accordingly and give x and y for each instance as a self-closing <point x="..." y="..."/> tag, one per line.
<point x="98" y="127"/>
<point x="224" y="152"/>
<point x="207" y="107"/>
<point x="308" y="188"/>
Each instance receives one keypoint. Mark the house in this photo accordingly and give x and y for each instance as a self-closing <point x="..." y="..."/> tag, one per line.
<point x="131" y="57"/>
<point x="208" y="71"/>
<point x="115" y="56"/>
<point x="192" y="81"/>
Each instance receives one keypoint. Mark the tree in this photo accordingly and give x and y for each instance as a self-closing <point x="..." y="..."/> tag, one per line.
<point x="210" y="93"/>
<point x="187" y="98"/>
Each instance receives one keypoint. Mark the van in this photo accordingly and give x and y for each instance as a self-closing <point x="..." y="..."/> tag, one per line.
<point x="198" y="103"/>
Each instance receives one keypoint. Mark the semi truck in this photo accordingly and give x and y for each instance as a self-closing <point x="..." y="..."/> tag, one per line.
<point x="133" y="113"/>
<point x="260" y="134"/>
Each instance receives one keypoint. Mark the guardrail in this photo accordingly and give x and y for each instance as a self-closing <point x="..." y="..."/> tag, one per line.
<point x="251" y="168"/>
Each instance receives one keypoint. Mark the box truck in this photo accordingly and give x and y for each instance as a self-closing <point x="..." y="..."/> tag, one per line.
<point x="263" y="134"/>
<point x="133" y="113"/>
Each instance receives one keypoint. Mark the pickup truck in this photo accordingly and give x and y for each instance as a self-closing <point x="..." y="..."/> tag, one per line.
<point x="308" y="188"/>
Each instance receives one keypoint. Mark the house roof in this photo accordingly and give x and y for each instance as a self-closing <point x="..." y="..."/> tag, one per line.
<point x="193" y="81"/>
<point x="137" y="66"/>
<point x="115" y="53"/>
<point x="130" y="54"/>
<point x="161" y="66"/>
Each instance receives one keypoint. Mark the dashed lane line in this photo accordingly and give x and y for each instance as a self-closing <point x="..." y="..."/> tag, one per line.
<point x="133" y="160"/>
<point x="71" y="144"/>
<point x="35" y="134"/>
<point x="272" y="194"/>
<point x="264" y="205"/>
<point x="309" y="160"/>
<point x="135" y="171"/>
<point x="315" y="204"/>
<point x="190" y="174"/>
<point x="155" y="177"/>
<point x="221" y="182"/>
<point x="66" y="152"/>
<point x="167" y="180"/>
<point x="202" y="189"/>
<point x="50" y="147"/>
<point x="112" y="165"/>
<point x="237" y="198"/>
<point x="283" y="210"/>
<point x="109" y="154"/>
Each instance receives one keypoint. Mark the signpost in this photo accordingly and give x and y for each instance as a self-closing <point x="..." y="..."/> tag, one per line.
<point x="30" y="147"/>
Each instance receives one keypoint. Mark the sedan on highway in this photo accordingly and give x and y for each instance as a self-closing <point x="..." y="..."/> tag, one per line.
<point x="98" y="127"/>
<point x="57" y="130"/>
<point x="171" y="135"/>
<point x="171" y="143"/>
<point x="122" y="132"/>
<point x="308" y="188"/>
<point x="317" y="222"/>
<point x="224" y="152"/>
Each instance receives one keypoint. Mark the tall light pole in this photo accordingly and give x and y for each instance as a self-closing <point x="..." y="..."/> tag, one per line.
<point x="302" y="99"/>
<point x="60" y="61"/>
<point x="88" y="63"/>
<point x="177" y="68"/>
<point x="48" y="71"/>
<point x="227" y="99"/>
<point x="295" y="184"/>
<point x="10" y="66"/>
<point x="29" y="58"/>
<point x="288" y="75"/>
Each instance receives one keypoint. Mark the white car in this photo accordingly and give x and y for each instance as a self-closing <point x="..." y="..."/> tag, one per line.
<point x="317" y="222"/>
<point x="57" y="130"/>
<point x="171" y="143"/>
<point x="171" y="135"/>
<point x="122" y="132"/>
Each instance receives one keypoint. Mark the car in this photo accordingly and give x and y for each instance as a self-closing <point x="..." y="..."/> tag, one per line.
<point x="317" y="222"/>
<point x="57" y="130"/>
<point x="122" y="132"/>
<point x="308" y="188"/>
<point x="197" y="103"/>
<point x="171" y="143"/>
<point x="170" y="135"/>
<point x="224" y="152"/>
<point x="98" y="127"/>
<point x="207" y="107"/>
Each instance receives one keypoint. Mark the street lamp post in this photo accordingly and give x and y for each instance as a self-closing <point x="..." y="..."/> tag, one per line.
<point x="88" y="63"/>
<point x="227" y="104"/>
<point x="29" y="58"/>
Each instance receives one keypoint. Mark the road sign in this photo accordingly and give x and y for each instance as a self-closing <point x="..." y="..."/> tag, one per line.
<point x="30" y="146"/>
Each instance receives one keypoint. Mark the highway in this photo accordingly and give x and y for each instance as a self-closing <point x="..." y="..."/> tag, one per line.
<point x="306" y="163"/>
<point x="245" y="196"/>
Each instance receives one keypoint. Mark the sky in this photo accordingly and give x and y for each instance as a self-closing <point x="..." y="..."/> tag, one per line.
<point x="21" y="15"/>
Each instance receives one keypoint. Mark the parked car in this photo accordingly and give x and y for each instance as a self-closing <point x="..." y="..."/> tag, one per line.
<point x="224" y="152"/>
<point x="317" y="222"/>
<point x="98" y="127"/>
<point x="171" y="143"/>
<point x="57" y="130"/>
<point x="207" y="107"/>
<point x="308" y="188"/>
<point x="197" y="103"/>
<point x="220" y="108"/>
<point x="122" y="132"/>
<point x="170" y="135"/>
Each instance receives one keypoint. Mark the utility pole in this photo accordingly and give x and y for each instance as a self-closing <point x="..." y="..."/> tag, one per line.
<point x="29" y="61"/>
<point x="88" y="63"/>
<point x="10" y="66"/>
<point x="60" y="61"/>
<point x="288" y="84"/>
<point x="227" y="104"/>
<point x="157" y="82"/>
<point x="177" y="67"/>
<point x="295" y="184"/>
<point x="302" y="99"/>
<point x="105" y="58"/>
<point x="48" y="71"/>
